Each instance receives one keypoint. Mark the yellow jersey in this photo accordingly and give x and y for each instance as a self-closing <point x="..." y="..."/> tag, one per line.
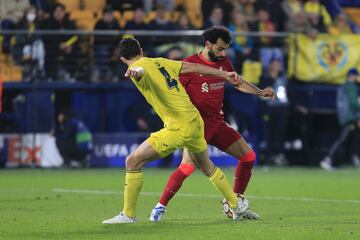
<point x="162" y="89"/>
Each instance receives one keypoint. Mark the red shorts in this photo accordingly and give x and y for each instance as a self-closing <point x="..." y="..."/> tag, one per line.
<point x="220" y="134"/>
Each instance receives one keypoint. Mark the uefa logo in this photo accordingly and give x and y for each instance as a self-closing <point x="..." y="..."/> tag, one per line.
<point x="333" y="54"/>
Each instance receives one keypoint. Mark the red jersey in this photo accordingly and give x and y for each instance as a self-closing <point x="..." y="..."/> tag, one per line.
<point x="206" y="92"/>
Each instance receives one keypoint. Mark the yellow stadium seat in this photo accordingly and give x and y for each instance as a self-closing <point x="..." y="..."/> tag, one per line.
<point x="16" y="74"/>
<point x="86" y="24"/>
<point x="193" y="8"/>
<point x="122" y="22"/>
<point x="11" y="73"/>
<point x="168" y="16"/>
<point x="117" y="15"/>
<point x="81" y="14"/>
<point x="2" y="56"/>
<point x="94" y="5"/>
<point x="6" y="58"/>
<point x="5" y="72"/>
<point x="150" y="16"/>
<point x="196" y="19"/>
<point x="193" y="5"/>
<point x="70" y="4"/>
<point x="174" y="17"/>
<point x="128" y="15"/>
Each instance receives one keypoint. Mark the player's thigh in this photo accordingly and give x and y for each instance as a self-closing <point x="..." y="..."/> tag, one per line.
<point x="140" y="156"/>
<point x="228" y="140"/>
<point x="166" y="141"/>
<point x="193" y="134"/>
<point x="186" y="159"/>
<point x="238" y="148"/>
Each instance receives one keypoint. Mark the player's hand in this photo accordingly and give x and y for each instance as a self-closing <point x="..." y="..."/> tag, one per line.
<point x="268" y="93"/>
<point x="134" y="72"/>
<point x="233" y="78"/>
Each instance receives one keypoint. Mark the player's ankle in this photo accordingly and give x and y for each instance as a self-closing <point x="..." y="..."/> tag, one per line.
<point x="159" y="204"/>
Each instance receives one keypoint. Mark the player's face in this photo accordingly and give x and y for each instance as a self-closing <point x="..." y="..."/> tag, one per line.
<point x="217" y="51"/>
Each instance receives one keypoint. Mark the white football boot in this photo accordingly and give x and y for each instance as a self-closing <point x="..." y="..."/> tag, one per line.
<point x="121" y="218"/>
<point x="157" y="213"/>
<point x="326" y="164"/>
<point x="240" y="210"/>
<point x="250" y="215"/>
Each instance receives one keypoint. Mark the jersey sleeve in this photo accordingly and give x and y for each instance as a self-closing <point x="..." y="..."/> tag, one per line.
<point x="186" y="77"/>
<point x="176" y="66"/>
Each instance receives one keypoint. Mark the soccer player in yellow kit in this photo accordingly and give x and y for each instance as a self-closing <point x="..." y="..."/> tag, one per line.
<point x="158" y="80"/>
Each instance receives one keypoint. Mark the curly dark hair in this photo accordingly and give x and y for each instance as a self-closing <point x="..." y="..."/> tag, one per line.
<point x="214" y="33"/>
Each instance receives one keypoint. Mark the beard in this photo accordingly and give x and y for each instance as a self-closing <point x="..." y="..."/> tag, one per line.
<point x="213" y="57"/>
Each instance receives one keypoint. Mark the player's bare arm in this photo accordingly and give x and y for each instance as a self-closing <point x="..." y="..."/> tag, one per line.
<point x="250" y="88"/>
<point x="231" y="77"/>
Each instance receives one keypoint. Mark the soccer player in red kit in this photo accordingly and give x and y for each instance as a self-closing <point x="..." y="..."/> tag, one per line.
<point x="207" y="94"/>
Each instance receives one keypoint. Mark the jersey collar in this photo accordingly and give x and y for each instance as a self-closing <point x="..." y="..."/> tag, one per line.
<point x="206" y="61"/>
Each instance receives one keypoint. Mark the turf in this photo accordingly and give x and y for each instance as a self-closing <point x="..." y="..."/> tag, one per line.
<point x="294" y="203"/>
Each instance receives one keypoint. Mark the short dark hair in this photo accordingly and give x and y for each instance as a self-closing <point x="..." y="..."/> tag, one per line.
<point x="129" y="48"/>
<point x="214" y="33"/>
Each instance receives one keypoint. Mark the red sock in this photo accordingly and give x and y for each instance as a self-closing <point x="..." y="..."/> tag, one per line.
<point x="175" y="182"/>
<point x="243" y="172"/>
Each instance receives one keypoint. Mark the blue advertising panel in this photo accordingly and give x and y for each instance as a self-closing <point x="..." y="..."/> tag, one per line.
<point x="111" y="150"/>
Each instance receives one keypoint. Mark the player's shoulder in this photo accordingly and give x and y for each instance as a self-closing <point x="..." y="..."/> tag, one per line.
<point x="143" y="61"/>
<point x="165" y="60"/>
<point x="226" y="60"/>
<point x="193" y="58"/>
<point x="226" y="64"/>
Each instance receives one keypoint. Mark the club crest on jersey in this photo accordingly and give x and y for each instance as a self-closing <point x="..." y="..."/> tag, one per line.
<point x="204" y="87"/>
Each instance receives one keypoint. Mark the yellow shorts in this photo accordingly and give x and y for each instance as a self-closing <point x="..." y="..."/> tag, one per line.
<point x="190" y="136"/>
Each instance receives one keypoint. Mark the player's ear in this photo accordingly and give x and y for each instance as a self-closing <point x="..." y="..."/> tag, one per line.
<point x="141" y="52"/>
<point x="123" y="60"/>
<point x="208" y="44"/>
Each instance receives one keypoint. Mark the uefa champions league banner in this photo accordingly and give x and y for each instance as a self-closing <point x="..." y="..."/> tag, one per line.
<point x="325" y="59"/>
<point x="111" y="150"/>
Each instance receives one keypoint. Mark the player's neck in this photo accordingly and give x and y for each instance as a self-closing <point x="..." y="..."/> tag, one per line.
<point x="204" y="55"/>
<point x="129" y="62"/>
<point x="205" y="58"/>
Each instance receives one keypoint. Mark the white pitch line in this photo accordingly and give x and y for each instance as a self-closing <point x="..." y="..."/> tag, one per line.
<point x="281" y="198"/>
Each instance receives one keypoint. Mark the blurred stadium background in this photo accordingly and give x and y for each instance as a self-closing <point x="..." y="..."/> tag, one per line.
<point x="58" y="62"/>
<point x="62" y="59"/>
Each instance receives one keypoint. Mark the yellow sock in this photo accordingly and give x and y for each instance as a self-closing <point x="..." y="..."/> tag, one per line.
<point x="221" y="183"/>
<point x="133" y="183"/>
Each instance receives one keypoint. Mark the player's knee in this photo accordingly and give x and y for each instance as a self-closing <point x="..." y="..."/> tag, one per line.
<point x="208" y="169"/>
<point x="133" y="162"/>
<point x="249" y="157"/>
<point x="187" y="169"/>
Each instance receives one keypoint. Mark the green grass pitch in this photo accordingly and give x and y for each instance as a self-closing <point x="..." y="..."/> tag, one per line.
<point x="294" y="203"/>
